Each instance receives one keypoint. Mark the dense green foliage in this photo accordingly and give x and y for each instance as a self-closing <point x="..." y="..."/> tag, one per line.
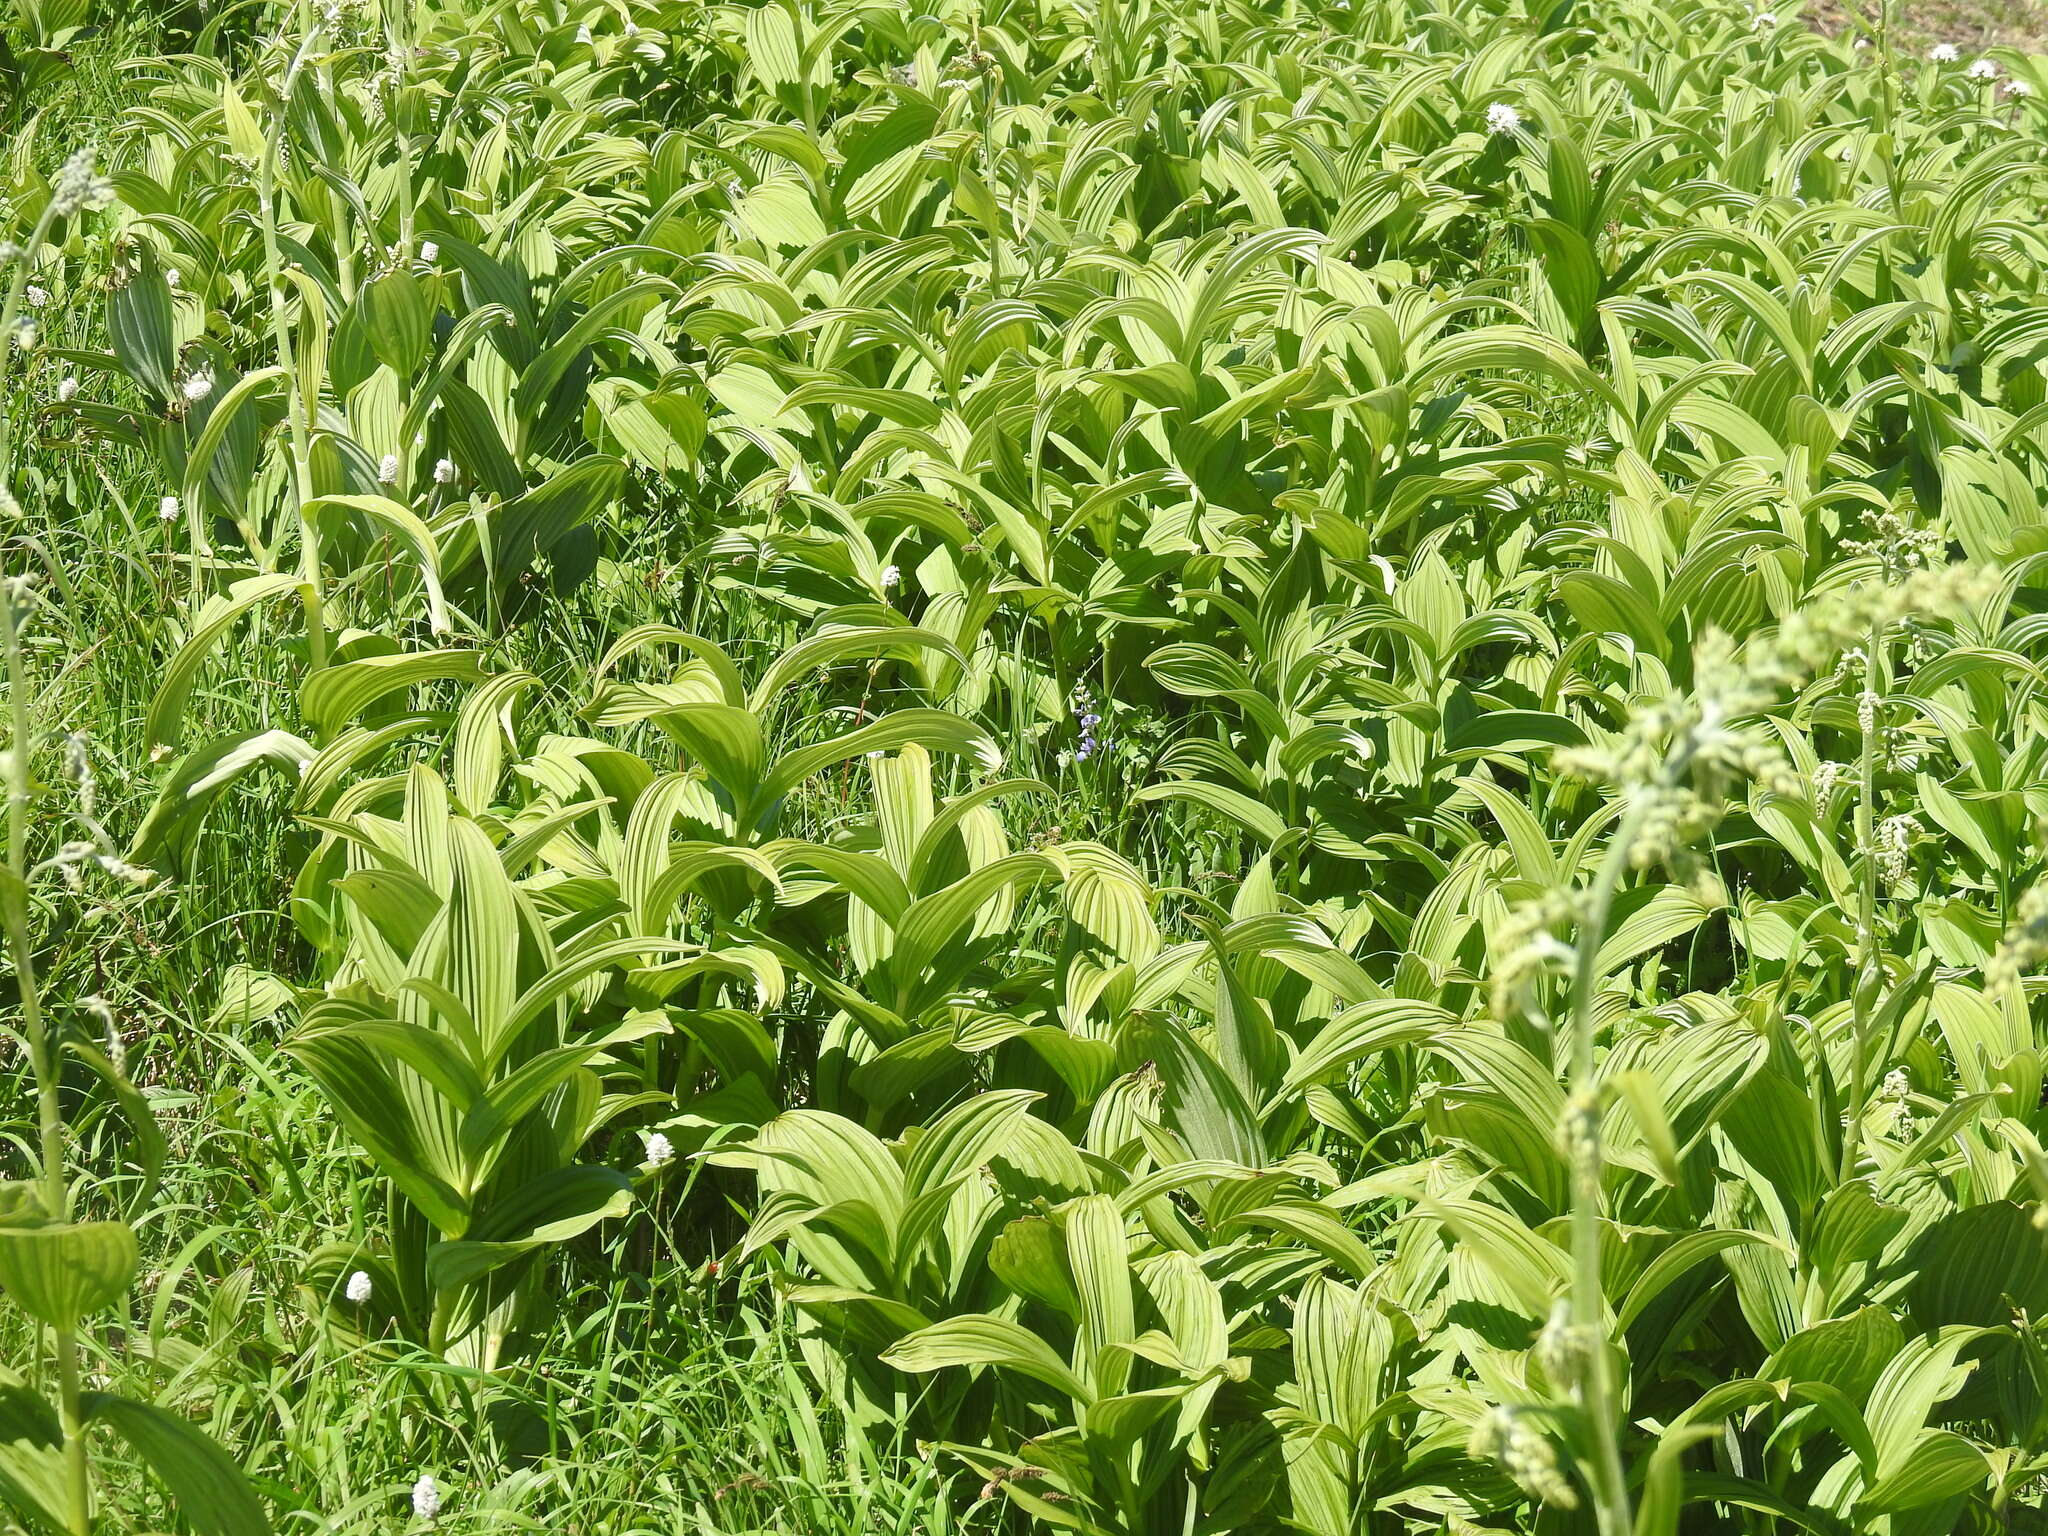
<point x="1150" y="767"/>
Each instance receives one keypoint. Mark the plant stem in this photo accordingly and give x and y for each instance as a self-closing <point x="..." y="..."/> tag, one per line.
<point x="10" y="307"/>
<point x="1588" y="1295"/>
<point x="42" y="1044"/>
<point x="297" y="406"/>
<point x="1868" y="975"/>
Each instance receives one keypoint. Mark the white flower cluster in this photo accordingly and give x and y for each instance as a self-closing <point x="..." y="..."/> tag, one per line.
<point x="1895" y="836"/>
<point x="79" y="187"/>
<point x="1524" y="1453"/>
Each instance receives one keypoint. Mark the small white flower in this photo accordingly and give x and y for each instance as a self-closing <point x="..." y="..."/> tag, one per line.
<point x="358" y="1288"/>
<point x="444" y="472"/>
<point x="659" y="1149"/>
<point x="35" y="296"/>
<point x="429" y="250"/>
<point x="67" y="390"/>
<point x="387" y="469"/>
<point x="2017" y="88"/>
<point x="1762" y="21"/>
<point x="1981" y="69"/>
<point x="171" y="276"/>
<point x="426" y="1498"/>
<point x="168" y="509"/>
<point x="892" y="577"/>
<point x="1896" y="1084"/>
<point x="197" y="386"/>
<point x="1943" y="53"/>
<point x="1502" y="118"/>
<point x="1846" y="153"/>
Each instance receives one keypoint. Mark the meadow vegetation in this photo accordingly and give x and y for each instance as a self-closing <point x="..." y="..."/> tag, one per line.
<point x="1146" y="767"/>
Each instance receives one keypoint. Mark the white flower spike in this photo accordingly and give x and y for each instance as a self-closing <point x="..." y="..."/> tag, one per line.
<point x="659" y="1149"/>
<point x="358" y="1288"/>
<point x="168" y="509"/>
<point x="1943" y="53"/>
<point x="444" y="472"/>
<point x="387" y="470"/>
<point x="1502" y="118"/>
<point x="426" y="1498"/>
<point x="1982" y="69"/>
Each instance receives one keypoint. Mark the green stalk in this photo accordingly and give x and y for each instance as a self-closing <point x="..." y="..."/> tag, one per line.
<point x="1868" y="974"/>
<point x="1609" y="1482"/>
<point x="43" y="1048"/>
<point x="10" y="308"/>
<point x="287" y="359"/>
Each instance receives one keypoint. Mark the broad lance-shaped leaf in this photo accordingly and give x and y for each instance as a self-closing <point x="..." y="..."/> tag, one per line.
<point x="334" y="696"/>
<point x="412" y="1138"/>
<point x="173" y="820"/>
<point x="165" y="722"/>
<point x="979" y="1340"/>
<point x="552" y="1209"/>
<point x="32" y="1481"/>
<point x="63" y="1272"/>
<point x="210" y="1492"/>
<point x="398" y="520"/>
